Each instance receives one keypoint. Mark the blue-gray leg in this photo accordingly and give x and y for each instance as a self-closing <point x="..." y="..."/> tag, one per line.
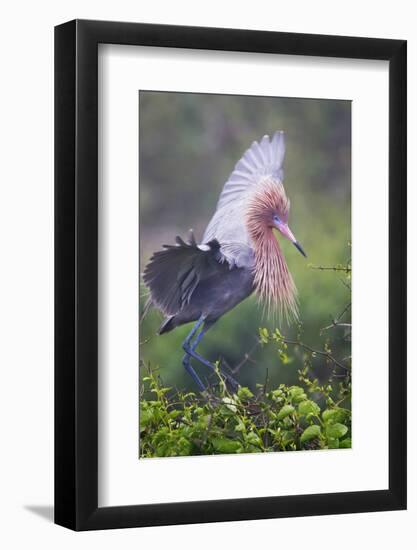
<point x="186" y="360"/>
<point x="187" y="365"/>
<point x="190" y="352"/>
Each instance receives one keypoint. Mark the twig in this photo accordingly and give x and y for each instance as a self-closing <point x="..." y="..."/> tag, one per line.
<point x="336" y="322"/>
<point x="317" y="352"/>
<point x="146" y="341"/>
<point x="345" y="284"/>
<point x="247" y="357"/>
<point x="345" y="269"/>
<point x="266" y="381"/>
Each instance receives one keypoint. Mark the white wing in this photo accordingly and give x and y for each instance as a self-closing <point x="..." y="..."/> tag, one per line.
<point x="262" y="161"/>
<point x="259" y="161"/>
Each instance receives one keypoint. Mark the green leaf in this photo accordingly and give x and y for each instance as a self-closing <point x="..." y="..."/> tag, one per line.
<point x="333" y="443"/>
<point x="240" y="426"/>
<point x="184" y="447"/>
<point x="230" y="403"/>
<point x="287" y="437"/>
<point x="244" y="394"/>
<point x="296" y="394"/>
<point x="222" y="445"/>
<point x="278" y="334"/>
<point x="145" y="418"/>
<point x="336" y="430"/>
<point x="285" y="359"/>
<point x="263" y="335"/>
<point x="308" y="407"/>
<point x="335" y="415"/>
<point x="285" y="411"/>
<point x="204" y="420"/>
<point x="310" y="433"/>
<point x="345" y="443"/>
<point x="277" y="395"/>
<point x="253" y="439"/>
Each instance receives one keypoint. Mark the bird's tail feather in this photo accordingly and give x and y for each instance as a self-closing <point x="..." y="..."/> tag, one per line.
<point x="167" y="325"/>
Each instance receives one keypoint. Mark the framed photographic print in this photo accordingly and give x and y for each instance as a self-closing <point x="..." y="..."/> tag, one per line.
<point x="230" y="275"/>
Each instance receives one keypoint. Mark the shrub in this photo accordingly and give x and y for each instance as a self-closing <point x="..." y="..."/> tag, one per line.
<point x="287" y="418"/>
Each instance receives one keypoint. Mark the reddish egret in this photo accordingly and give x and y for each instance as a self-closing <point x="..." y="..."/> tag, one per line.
<point x="238" y="254"/>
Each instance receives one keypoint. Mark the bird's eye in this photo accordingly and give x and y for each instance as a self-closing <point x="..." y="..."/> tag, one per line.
<point x="276" y="219"/>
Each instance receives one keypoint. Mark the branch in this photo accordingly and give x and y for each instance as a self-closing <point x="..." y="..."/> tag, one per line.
<point x="246" y="358"/>
<point x="344" y="268"/>
<point x="336" y="322"/>
<point x="317" y="352"/>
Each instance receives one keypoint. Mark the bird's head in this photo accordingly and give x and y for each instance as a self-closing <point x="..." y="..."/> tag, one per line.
<point x="280" y="222"/>
<point x="269" y="209"/>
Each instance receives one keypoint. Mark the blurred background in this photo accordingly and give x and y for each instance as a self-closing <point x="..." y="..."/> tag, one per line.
<point x="189" y="144"/>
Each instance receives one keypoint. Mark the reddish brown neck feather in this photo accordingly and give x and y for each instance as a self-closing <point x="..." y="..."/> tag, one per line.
<point x="273" y="281"/>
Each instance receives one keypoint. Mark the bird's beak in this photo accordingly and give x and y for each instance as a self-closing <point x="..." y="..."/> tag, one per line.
<point x="299" y="248"/>
<point x="287" y="233"/>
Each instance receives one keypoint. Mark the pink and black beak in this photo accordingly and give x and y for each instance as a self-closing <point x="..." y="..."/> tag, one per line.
<point x="287" y="233"/>
<point x="299" y="248"/>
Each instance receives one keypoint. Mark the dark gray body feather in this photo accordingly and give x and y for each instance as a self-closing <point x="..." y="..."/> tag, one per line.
<point x="187" y="282"/>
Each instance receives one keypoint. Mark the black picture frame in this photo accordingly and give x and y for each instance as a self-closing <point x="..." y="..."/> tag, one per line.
<point x="76" y="272"/>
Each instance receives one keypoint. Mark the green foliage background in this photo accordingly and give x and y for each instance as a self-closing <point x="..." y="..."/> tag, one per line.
<point x="189" y="144"/>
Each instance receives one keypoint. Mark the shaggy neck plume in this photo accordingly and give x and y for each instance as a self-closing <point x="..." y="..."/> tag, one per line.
<point x="272" y="280"/>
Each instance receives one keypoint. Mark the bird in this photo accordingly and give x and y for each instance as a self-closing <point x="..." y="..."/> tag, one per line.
<point x="239" y="254"/>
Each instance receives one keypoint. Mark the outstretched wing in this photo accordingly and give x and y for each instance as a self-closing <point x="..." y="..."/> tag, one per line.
<point x="173" y="274"/>
<point x="262" y="162"/>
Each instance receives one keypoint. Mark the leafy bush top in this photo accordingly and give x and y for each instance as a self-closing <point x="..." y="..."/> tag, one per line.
<point x="286" y="418"/>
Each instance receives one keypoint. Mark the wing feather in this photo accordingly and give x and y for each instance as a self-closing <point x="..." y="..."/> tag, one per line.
<point x="173" y="274"/>
<point x="258" y="162"/>
<point x="262" y="161"/>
